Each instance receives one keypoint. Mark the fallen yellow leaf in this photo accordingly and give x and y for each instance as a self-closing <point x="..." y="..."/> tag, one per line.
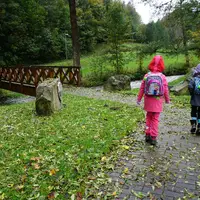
<point x="19" y="187"/>
<point x="158" y="184"/>
<point x="103" y="158"/>
<point x="53" y="172"/>
<point x="126" y="147"/>
<point x="114" y="193"/>
<point x="36" y="166"/>
<point x="36" y="159"/>
<point x="126" y="170"/>
<point x="10" y="185"/>
<point x="91" y="177"/>
<point x="121" y="183"/>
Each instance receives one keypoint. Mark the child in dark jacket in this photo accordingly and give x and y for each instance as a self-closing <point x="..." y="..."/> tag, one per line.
<point x="194" y="89"/>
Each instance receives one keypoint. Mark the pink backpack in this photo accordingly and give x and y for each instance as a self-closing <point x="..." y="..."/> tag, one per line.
<point x="153" y="84"/>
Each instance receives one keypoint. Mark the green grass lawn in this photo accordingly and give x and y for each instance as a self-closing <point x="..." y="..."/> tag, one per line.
<point x="8" y="94"/>
<point x="44" y="156"/>
<point x="177" y="81"/>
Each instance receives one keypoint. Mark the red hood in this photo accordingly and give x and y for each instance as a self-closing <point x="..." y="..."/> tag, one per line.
<point x="157" y="64"/>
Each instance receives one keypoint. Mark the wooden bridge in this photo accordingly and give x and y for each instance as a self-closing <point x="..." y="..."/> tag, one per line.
<point x="25" y="80"/>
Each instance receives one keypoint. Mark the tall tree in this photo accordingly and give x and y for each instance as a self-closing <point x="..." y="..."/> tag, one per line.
<point x="179" y="15"/>
<point x="75" y="34"/>
<point x="31" y="31"/>
<point x="21" y="22"/>
<point x="135" y="18"/>
<point x="118" y="28"/>
<point x="91" y="23"/>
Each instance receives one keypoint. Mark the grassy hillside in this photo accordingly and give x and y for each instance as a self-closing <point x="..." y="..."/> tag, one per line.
<point x="96" y="69"/>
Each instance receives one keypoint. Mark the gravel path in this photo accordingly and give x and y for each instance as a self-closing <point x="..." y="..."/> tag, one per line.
<point x="98" y="93"/>
<point x="94" y="92"/>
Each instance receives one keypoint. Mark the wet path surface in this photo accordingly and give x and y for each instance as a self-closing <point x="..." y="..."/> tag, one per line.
<point x="16" y="100"/>
<point x="169" y="171"/>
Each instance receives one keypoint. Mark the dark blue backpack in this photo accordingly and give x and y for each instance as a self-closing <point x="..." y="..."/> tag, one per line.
<point x="196" y="85"/>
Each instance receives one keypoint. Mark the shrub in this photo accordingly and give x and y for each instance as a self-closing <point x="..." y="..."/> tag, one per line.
<point x="176" y="69"/>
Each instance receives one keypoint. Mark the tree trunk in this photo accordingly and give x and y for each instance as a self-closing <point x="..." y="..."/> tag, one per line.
<point x="186" y="53"/>
<point x="75" y="34"/>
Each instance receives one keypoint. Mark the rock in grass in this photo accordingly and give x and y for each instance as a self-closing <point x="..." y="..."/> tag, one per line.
<point x="118" y="82"/>
<point x="48" y="97"/>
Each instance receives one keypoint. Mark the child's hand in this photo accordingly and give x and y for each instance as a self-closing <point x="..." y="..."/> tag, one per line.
<point x="138" y="103"/>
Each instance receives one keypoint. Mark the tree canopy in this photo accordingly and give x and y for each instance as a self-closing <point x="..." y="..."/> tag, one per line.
<point x="33" y="31"/>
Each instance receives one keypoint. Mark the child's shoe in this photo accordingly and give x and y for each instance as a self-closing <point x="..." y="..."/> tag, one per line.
<point x="198" y="130"/>
<point x="193" y="128"/>
<point x="153" y="141"/>
<point x="147" y="138"/>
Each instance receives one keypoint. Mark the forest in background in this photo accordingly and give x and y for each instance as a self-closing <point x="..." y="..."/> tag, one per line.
<point x="38" y="31"/>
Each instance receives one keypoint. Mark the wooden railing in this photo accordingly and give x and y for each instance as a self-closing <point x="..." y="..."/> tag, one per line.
<point x="25" y="79"/>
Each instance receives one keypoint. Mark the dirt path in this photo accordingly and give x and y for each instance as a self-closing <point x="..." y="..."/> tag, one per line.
<point x="169" y="171"/>
<point x="98" y="93"/>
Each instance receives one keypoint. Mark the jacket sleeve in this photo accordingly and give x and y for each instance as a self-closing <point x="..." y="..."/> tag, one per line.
<point x="191" y="86"/>
<point x="166" y="90"/>
<point x="141" y="91"/>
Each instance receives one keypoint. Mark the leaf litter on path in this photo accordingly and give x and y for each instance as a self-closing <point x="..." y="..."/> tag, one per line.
<point x="148" y="171"/>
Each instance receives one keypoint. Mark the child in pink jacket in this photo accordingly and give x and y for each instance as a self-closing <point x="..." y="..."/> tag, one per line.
<point x="153" y="105"/>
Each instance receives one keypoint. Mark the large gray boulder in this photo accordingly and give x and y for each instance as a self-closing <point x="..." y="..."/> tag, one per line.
<point x="48" y="97"/>
<point x="118" y="82"/>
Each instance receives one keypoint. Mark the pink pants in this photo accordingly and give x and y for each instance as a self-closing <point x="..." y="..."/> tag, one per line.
<point x="152" y="122"/>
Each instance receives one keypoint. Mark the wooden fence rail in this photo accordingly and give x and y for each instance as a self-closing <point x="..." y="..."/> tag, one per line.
<point x="25" y="79"/>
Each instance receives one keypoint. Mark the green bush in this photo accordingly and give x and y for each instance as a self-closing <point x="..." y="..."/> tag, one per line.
<point x="93" y="79"/>
<point x="177" y="69"/>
